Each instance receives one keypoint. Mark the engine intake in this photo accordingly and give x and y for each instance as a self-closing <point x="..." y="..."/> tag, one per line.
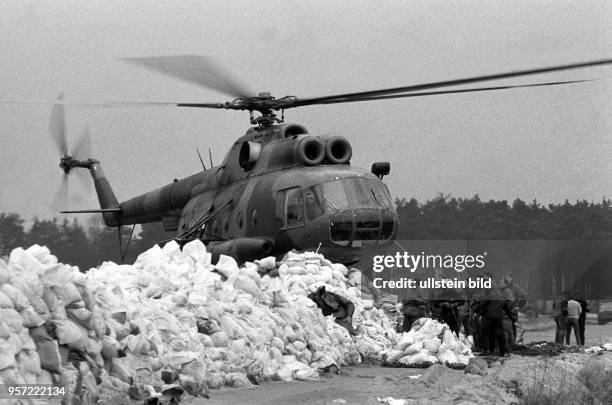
<point x="309" y="151"/>
<point x="338" y="150"/>
<point x="249" y="153"/>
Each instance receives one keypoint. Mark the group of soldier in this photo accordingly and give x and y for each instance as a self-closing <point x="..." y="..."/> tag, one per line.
<point x="489" y="315"/>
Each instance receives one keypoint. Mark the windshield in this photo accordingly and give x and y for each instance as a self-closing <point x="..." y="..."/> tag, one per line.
<point x="338" y="195"/>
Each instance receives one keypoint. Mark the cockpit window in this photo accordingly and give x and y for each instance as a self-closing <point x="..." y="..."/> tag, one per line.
<point x="381" y="194"/>
<point x="360" y="192"/>
<point x="294" y="207"/>
<point x="338" y="195"/>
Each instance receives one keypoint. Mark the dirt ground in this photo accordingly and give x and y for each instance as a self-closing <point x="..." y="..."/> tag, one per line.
<point x="363" y="384"/>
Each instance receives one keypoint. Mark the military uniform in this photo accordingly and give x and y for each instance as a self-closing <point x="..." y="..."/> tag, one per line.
<point x="334" y="304"/>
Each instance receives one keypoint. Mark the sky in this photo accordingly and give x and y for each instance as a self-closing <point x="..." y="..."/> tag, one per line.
<point x="549" y="144"/>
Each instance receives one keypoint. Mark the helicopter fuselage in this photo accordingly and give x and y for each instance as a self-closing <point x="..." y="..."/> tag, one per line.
<point x="277" y="189"/>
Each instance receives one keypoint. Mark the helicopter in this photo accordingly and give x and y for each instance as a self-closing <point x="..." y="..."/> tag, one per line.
<point x="279" y="187"/>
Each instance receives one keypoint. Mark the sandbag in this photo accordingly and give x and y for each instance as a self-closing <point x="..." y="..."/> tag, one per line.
<point x="48" y="352"/>
<point x="12" y="319"/>
<point x="67" y="331"/>
<point x="19" y="300"/>
<point x="30" y="318"/>
<point x="6" y="301"/>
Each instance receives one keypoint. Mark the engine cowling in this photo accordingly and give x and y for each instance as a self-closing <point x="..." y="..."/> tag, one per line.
<point x="244" y="249"/>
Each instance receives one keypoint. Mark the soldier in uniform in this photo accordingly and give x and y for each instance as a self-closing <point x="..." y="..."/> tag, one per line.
<point x="414" y="306"/>
<point x="517" y="296"/>
<point x="334" y="304"/>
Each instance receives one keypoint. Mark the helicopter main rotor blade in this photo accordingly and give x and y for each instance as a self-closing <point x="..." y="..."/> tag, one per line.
<point x="57" y="126"/>
<point x="435" y="93"/>
<point x="447" y="83"/>
<point x="196" y="69"/>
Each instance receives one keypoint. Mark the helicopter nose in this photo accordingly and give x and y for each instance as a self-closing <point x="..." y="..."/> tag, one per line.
<point x="368" y="225"/>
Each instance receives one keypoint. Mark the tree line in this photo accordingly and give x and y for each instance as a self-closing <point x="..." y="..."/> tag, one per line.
<point x="445" y="217"/>
<point x="81" y="245"/>
<point x="441" y="218"/>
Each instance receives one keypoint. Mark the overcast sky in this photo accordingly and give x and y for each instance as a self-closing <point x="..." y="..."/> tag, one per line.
<point x="548" y="144"/>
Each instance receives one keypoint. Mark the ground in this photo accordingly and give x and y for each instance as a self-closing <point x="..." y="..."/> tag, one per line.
<point x="363" y="384"/>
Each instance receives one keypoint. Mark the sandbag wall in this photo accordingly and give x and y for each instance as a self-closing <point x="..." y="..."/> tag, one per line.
<point x="172" y="319"/>
<point x="126" y="328"/>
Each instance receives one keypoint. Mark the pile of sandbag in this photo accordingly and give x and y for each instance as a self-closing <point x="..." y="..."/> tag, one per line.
<point x="429" y="342"/>
<point x="50" y="329"/>
<point x="174" y="322"/>
<point x="170" y="320"/>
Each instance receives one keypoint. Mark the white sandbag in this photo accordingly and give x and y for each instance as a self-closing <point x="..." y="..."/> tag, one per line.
<point x="80" y="315"/>
<point x="97" y="324"/>
<point x="5" y="331"/>
<point x="267" y="263"/>
<point x="58" y="275"/>
<point x="392" y="356"/>
<point x="53" y="301"/>
<point x="67" y="331"/>
<point x="196" y="369"/>
<point x="17" y="297"/>
<point x="24" y="260"/>
<point x="40" y="307"/>
<point x="30" y="318"/>
<point x="414" y="348"/>
<point x="195" y="250"/>
<point x="237" y="380"/>
<point x="226" y="266"/>
<point x="405" y="340"/>
<point x="430" y="329"/>
<point x="48" y="353"/>
<point x="445" y="355"/>
<point x="422" y="357"/>
<point x="29" y="361"/>
<point x="12" y="319"/>
<point x="284" y="373"/>
<point x="42" y="254"/>
<point x="7" y="354"/>
<point x="432" y="345"/>
<point x="5" y="301"/>
<point x="247" y="284"/>
<point x="219" y="339"/>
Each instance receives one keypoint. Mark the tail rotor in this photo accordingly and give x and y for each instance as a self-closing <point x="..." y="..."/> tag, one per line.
<point x="77" y="156"/>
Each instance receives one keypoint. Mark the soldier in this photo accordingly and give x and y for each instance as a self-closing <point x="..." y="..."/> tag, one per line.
<point x="584" y="305"/>
<point x="494" y="309"/>
<point x="518" y="299"/>
<point x="448" y="302"/>
<point x="414" y="306"/>
<point x="334" y="304"/>
<point x="560" y="315"/>
<point x="477" y="304"/>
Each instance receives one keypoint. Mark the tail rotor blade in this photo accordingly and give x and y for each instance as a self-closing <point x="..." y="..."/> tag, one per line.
<point x="57" y="126"/>
<point x="84" y="179"/>
<point x="60" y="200"/>
<point x="82" y="150"/>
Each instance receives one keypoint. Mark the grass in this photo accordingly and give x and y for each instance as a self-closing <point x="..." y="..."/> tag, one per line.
<point x="553" y="384"/>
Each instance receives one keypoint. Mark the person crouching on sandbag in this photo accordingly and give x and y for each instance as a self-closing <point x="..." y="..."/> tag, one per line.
<point x="334" y="304"/>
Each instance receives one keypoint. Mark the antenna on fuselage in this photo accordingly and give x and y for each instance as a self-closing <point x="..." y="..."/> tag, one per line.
<point x="210" y="157"/>
<point x="201" y="160"/>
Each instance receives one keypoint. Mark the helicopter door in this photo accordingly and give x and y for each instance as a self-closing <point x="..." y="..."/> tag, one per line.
<point x="292" y="201"/>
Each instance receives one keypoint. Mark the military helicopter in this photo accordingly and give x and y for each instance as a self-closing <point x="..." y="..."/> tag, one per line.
<point x="279" y="187"/>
